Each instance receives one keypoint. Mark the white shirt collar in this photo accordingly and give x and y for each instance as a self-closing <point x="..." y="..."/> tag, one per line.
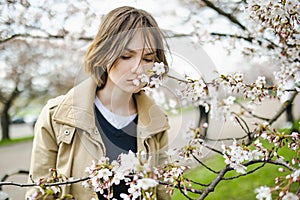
<point x="118" y="121"/>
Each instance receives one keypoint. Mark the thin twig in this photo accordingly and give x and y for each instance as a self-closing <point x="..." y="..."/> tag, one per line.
<point x="222" y="12"/>
<point x="245" y="129"/>
<point x="182" y="192"/>
<point x="249" y="172"/>
<point x="224" y="139"/>
<point x="26" y="35"/>
<point x="251" y="113"/>
<point x="177" y="79"/>
<point x="176" y="186"/>
<point x="197" y="183"/>
<point x="212" y="149"/>
<point x="45" y="184"/>
<point x="204" y="165"/>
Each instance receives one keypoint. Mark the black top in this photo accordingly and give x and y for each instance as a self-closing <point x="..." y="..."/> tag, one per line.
<point x="117" y="141"/>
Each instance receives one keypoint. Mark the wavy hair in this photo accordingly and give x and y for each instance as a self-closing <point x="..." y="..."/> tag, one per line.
<point x="116" y="31"/>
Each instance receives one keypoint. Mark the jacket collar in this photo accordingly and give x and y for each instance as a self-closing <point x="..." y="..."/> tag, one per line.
<point x="77" y="110"/>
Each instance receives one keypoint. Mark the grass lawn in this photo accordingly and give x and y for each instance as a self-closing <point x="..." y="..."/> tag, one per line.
<point x="236" y="189"/>
<point x="13" y="141"/>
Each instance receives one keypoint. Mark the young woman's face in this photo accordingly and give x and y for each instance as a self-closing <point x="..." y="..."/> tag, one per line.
<point x="134" y="61"/>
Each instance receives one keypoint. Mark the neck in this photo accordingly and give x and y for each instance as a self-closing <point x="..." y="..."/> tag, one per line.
<point x="117" y="101"/>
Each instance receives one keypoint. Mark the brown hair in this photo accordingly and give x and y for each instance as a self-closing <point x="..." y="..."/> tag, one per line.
<point x="115" y="32"/>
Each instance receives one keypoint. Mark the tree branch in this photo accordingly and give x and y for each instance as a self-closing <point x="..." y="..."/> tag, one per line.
<point x="182" y="192"/>
<point x="49" y="36"/>
<point x="249" y="39"/>
<point x="253" y="115"/>
<point x="245" y="127"/>
<point x="26" y="35"/>
<point x="214" y="183"/>
<point x="204" y="165"/>
<point x="212" y="149"/>
<point x="45" y="184"/>
<point x="197" y="183"/>
<point x="249" y="172"/>
<point x="223" y="13"/>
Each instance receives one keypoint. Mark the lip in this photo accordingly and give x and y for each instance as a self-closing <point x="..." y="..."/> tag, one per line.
<point x="131" y="79"/>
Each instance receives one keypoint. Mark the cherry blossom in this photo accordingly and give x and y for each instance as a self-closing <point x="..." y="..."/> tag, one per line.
<point x="159" y="68"/>
<point x="274" y="34"/>
<point x="156" y="82"/>
<point x="263" y="193"/>
<point x="235" y="155"/>
<point x="290" y="196"/>
<point x="146" y="183"/>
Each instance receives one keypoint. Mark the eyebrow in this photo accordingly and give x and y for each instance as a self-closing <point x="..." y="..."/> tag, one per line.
<point x="133" y="51"/>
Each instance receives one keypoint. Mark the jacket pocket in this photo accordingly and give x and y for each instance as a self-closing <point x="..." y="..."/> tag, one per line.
<point x="66" y="134"/>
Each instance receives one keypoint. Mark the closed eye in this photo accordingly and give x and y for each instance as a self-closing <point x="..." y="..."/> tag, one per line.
<point x="125" y="57"/>
<point x="148" y="59"/>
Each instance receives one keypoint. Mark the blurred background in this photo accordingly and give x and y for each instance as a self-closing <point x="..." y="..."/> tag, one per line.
<point x="42" y="47"/>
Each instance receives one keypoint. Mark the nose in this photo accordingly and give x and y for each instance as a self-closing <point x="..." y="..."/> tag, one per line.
<point x="137" y="67"/>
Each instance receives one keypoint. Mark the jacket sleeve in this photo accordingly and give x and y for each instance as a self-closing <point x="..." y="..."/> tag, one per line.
<point x="44" y="151"/>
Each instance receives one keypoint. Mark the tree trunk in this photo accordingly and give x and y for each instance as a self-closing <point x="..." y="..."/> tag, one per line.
<point x="289" y="113"/>
<point x="204" y="117"/>
<point x="5" y="120"/>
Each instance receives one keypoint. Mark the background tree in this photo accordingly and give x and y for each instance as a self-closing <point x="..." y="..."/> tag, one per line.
<point x="31" y="72"/>
<point x="266" y="33"/>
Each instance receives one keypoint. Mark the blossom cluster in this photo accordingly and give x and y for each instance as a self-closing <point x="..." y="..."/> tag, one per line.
<point x="288" y="78"/>
<point x="154" y="76"/>
<point x="172" y="175"/>
<point x="44" y="191"/>
<point x="280" y="16"/>
<point x="195" y="91"/>
<point x="133" y="169"/>
<point x="278" y="139"/>
<point x="235" y="155"/>
<point x="283" y="186"/>
<point x="256" y="91"/>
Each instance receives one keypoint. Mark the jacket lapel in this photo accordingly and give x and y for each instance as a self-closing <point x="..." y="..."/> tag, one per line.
<point x="77" y="108"/>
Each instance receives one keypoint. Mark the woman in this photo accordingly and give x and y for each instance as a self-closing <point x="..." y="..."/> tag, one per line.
<point x="108" y="113"/>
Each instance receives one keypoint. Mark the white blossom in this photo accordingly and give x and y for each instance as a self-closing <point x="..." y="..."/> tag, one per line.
<point x="290" y="196"/>
<point x="156" y="82"/>
<point x="135" y="191"/>
<point x="260" y="81"/>
<point x="125" y="196"/>
<point x="128" y="161"/>
<point x="136" y="82"/>
<point x="263" y="192"/>
<point x="229" y="100"/>
<point x="159" y="68"/>
<point x="144" y="78"/>
<point x="295" y="175"/>
<point x="105" y="174"/>
<point x="146" y="183"/>
<point x="235" y="155"/>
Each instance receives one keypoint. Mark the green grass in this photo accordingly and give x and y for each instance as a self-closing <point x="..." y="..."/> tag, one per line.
<point x="13" y="141"/>
<point x="243" y="187"/>
<point x="236" y="189"/>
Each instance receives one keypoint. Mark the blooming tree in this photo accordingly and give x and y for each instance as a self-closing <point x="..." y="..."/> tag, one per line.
<point x="273" y="32"/>
<point x="31" y="71"/>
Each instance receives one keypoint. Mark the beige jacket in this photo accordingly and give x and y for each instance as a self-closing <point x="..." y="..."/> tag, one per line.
<point x="67" y="139"/>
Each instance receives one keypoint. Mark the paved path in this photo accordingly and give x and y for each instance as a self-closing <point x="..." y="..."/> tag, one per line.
<point x="17" y="156"/>
<point x="13" y="158"/>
